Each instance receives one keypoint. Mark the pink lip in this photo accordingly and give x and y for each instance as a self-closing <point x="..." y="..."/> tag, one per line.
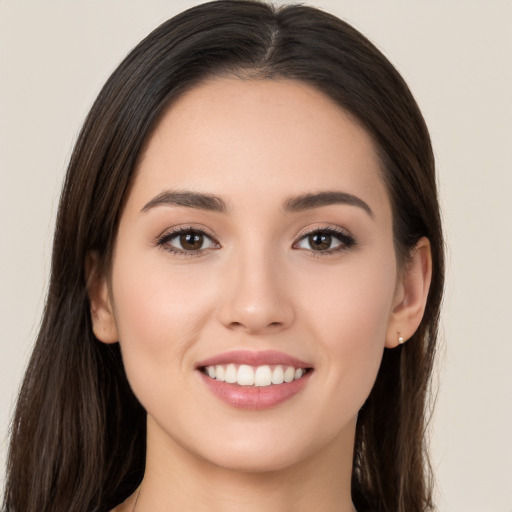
<point x="254" y="358"/>
<point x="249" y="397"/>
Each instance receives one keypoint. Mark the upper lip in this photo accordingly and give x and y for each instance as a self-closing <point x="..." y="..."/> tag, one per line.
<point x="254" y="358"/>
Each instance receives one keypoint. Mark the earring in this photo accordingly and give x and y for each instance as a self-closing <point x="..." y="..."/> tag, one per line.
<point x="400" y="339"/>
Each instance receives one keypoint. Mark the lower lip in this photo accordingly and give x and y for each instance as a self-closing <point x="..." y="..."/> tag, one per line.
<point x="254" y="398"/>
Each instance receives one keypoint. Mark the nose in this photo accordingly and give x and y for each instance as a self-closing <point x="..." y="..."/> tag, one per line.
<point x="256" y="296"/>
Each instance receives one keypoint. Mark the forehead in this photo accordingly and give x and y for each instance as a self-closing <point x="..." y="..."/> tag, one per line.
<point x="266" y="137"/>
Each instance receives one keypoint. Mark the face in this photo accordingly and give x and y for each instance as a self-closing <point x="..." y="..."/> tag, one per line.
<point x="257" y="237"/>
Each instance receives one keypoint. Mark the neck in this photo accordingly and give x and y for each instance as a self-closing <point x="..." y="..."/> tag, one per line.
<point x="176" y="480"/>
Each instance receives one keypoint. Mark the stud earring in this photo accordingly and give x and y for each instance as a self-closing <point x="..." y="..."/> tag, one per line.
<point x="400" y="339"/>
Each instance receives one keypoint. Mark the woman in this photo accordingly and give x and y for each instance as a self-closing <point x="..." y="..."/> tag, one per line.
<point x="246" y="280"/>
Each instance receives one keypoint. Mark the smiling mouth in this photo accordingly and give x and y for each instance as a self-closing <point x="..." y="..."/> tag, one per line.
<point x="255" y="376"/>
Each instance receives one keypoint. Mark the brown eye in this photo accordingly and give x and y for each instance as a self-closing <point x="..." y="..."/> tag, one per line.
<point x="191" y="241"/>
<point x="187" y="241"/>
<point x="326" y="241"/>
<point x="320" y="241"/>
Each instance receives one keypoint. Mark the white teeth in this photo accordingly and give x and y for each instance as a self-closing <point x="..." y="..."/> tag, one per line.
<point x="289" y="374"/>
<point x="231" y="374"/>
<point x="219" y="372"/>
<point x="263" y="376"/>
<point x="260" y="376"/>
<point x="278" y="375"/>
<point x="245" y="375"/>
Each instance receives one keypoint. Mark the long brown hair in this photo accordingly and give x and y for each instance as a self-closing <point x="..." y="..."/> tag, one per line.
<point x="78" y="434"/>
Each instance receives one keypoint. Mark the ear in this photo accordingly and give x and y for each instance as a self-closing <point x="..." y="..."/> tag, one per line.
<point x="102" y="313"/>
<point x="411" y="295"/>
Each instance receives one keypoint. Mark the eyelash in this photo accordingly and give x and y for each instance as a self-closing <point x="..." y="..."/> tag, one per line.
<point x="346" y="240"/>
<point x="163" y="240"/>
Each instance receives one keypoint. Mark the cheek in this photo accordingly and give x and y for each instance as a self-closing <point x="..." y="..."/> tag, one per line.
<point x="349" y="315"/>
<point x="159" y="315"/>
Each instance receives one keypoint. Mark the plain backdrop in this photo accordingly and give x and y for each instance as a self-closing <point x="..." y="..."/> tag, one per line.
<point x="457" y="58"/>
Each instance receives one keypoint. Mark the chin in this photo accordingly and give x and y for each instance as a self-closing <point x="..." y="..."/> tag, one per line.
<point x="260" y="453"/>
<point x="255" y="461"/>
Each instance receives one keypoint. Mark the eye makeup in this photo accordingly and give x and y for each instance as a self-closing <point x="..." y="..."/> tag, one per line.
<point x="319" y="237"/>
<point x="191" y="239"/>
<point x="194" y="241"/>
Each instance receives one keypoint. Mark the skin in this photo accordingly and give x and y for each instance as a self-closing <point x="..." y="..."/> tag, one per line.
<point x="258" y="285"/>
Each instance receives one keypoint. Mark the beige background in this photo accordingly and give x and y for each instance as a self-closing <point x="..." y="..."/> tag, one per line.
<point x="456" y="57"/>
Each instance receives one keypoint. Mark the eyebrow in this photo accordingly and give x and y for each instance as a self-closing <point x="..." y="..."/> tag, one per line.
<point x="294" y="204"/>
<point x="189" y="199"/>
<point x="309" y="201"/>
